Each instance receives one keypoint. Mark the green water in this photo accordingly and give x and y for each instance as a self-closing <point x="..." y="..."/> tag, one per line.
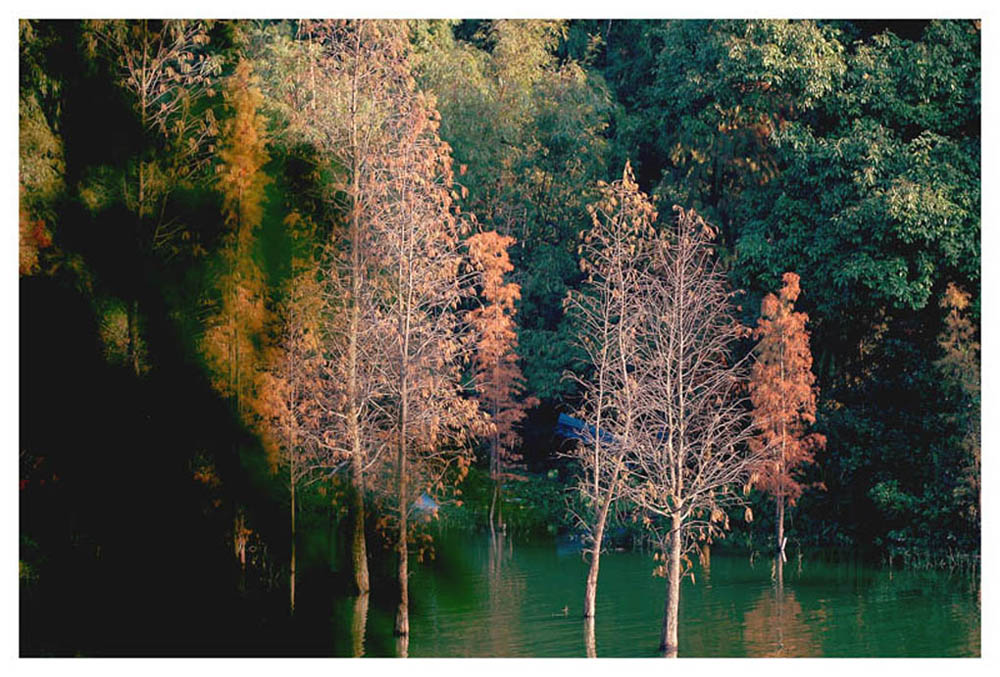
<point x="525" y="599"/>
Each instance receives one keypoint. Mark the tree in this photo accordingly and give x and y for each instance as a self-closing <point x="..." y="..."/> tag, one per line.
<point x="692" y="429"/>
<point x="716" y="93"/>
<point x="421" y="339"/>
<point x="41" y="161"/>
<point x="394" y="402"/>
<point x="163" y="67"/>
<point x="608" y="315"/>
<point x="960" y="365"/>
<point x="233" y="331"/>
<point x="335" y="102"/>
<point x="784" y="399"/>
<point x="498" y="377"/>
<point x="290" y="401"/>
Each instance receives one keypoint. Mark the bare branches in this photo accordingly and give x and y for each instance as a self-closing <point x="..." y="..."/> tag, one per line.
<point x="609" y="315"/>
<point x="693" y="430"/>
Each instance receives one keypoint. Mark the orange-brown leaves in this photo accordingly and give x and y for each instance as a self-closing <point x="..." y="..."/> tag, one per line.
<point x="782" y="392"/>
<point x="242" y="154"/>
<point x="499" y="379"/>
<point x="230" y="342"/>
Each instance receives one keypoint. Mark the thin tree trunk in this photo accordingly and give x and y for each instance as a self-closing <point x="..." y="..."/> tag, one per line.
<point x="358" y="546"/>
<point x="403" y="612"/>
<point x="705" y="555"/>
<point x="291" y="580"/>
<point x="589" y="637"/>
<point x="590" y="597"/>
<point x="780" y="507"/>
<point x="780" y="512"/>
<point x="132" y="317"/>
<point x="402" y="628"/>
<point x="493" y="505"/>
<point x="493" y="476"/>
<point x="671" y="611"/>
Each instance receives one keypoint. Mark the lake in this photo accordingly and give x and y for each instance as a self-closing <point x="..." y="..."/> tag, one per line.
<point x="507" y="597"/>
<point x="479" y="598"/>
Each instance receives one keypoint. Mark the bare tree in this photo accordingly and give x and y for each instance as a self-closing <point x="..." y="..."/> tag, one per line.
<point x="609" y="314"/>
<point x="693" y="423"/>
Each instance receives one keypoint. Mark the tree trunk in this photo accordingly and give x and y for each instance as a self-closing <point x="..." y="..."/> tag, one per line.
<point x="780" y="519"/>
<point x="359" y="550"/>
<point x="359" y="554"/>
<point x="705" y="556"/>
<point x="402" y="628"/>
<point x="494" y="475"/>
<point x="493" y="505"/>
<point x="589" y="637"/>
<point x="590" y="597"/>
<point x="132" y="318"/>
<point x="291" y="579"/>
<point x="671" y="611"/>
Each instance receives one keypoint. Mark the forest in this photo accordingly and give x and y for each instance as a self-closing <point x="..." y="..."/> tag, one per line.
<point x="303" y="301"/>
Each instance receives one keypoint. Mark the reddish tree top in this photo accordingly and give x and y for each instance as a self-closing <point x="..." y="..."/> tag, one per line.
<point x="782" y="392"/>
<point x="500" y="382"/>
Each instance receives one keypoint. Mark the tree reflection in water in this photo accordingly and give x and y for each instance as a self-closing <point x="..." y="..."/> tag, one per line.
<point x="504" y="588"/>
<point x="359" y="621"/>
<point x="776" y="626"/>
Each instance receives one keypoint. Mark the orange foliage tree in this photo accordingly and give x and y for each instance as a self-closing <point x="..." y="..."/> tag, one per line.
<point x="291" y="383"/>
<point x="783" y="396"/>
<point x="960" y="365"/>
<point x="230" y="341"/>
<point x="499" y="381"/>
<point x="422" y="339"/>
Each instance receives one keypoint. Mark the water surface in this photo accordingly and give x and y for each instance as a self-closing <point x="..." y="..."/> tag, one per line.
<point x="504" y="598"/>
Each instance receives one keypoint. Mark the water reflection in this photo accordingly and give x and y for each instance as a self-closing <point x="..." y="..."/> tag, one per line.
<point x="488" y="596"/>
<point x="403" y="646"/>
<point x="359" y="622"/>
<point x="504" y="586"/>
<point x="775" y="626"/>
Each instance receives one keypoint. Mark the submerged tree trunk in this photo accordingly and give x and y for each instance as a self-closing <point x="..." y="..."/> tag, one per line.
<point x="590" y="597"/>
<point x="589" y="637"/>
<point x="671" y="611"/>
<point x="705" y="556"/>
<point x="359" y="554"/>
<point x="493" y="505"/>
<point x="495" y="476"/>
